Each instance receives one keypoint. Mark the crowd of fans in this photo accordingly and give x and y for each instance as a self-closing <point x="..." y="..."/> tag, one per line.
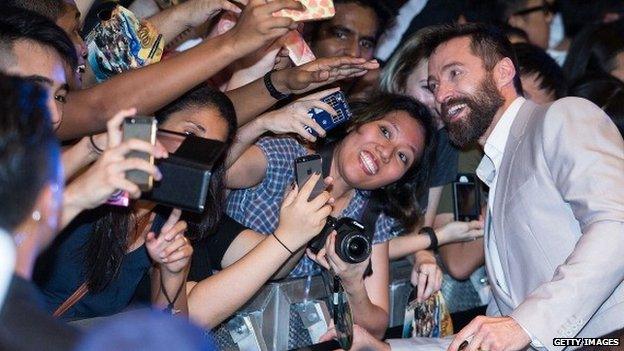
<point x="66" y="254"/>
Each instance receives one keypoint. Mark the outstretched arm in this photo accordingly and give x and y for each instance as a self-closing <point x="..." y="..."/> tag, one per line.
<point x="150" y="88"/>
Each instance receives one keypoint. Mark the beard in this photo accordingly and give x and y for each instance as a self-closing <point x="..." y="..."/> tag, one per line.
<point x="482" y="105"/>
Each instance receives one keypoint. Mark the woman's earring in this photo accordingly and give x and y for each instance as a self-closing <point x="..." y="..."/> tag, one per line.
<point x="36" y="216"/>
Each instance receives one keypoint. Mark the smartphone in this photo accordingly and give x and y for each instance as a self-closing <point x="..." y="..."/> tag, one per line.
<point x="466" y="198"/>
<point x="143" y="128"/>
<point x="305" y="167"/>
<point x="338" y="101"/>
<point x="314" y="11"/>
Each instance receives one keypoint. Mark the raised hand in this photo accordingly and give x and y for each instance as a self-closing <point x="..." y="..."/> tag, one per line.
<point x="300" y="219"/>
<point x="320" y="72"/>
<point x="293" y="118"/>
<point x="257" y="27"/>
<point x="199" y="11"/>
<point x="107" y="175"/>
<point x="426" y="275"/>
<point x="459" y="231"/>
<point x="171" y="249"/>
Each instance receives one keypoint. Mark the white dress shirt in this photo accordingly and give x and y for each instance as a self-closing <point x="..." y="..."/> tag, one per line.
<point x="488" y="172"/>
<point x="7" y="263"/>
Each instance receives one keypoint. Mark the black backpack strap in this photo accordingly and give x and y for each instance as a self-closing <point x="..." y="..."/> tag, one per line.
<point x="327" y="154"/>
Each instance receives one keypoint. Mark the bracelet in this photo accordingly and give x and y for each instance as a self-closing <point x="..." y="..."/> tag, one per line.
<point x="276" y="94"/>
<point x="95" y="147"/>
<point x="432" y="237"/>
<point x="284" y="245"/>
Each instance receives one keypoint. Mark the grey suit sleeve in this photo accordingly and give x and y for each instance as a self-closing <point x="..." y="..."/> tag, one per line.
<point x="585" y="154"/>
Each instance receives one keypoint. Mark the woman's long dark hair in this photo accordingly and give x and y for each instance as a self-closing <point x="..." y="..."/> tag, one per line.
<point x="108" y="244"/>
<point x="400" y="199"/>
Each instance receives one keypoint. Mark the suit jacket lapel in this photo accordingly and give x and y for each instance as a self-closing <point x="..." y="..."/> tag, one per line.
<point x="502" y="183"/>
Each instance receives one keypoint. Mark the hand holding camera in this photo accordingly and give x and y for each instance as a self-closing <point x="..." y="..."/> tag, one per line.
<point x="350" y="273"/>
<point x="300" y="219"/>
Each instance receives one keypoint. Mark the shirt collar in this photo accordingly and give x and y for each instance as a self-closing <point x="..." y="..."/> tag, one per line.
<point x="495" y="144"/>
<point x="7" y="263"/>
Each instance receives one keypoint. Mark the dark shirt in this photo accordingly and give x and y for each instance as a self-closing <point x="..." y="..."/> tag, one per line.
<point x="444" y="168"/>
<point x="207" y="256"/>
<point x="62" y="269"/>
<point x="24" y="325"/>
<point x="209" y="251"/>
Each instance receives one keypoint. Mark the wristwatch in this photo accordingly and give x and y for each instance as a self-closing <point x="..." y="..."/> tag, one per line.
<point x="432" y="237"/>
<point x="276" y="94"/>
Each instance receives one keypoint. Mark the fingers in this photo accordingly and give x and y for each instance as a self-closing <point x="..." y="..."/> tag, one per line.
<point x="290" y="196"/>
<point x="320" y="257"/>
<point x="278" y="5"/>
<point x="121" y="183"/>
<point x="177" y="243"/>
<point x="464" y="334"/>
<point x="330" y="335"/>
<point x="320" y="200"/>
<point x="475" y="224"/>
<point x="420" y="288"/>
<point x="228" y="6"/>
<point x="174" y="217"/>
<point x="113" y="126"/>
<point x="139" y="165"/>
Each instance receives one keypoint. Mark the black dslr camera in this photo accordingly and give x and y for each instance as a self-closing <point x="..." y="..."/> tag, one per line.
<point x="352" y="243"/>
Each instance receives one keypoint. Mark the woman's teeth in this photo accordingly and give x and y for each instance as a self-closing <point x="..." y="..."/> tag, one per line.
<point x="368" y="162"/>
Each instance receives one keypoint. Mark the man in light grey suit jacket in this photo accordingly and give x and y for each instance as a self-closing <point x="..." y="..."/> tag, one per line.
<point x="555" y="230"/>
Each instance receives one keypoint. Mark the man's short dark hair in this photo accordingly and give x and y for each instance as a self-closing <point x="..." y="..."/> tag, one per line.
<point x="29" y="152"/>
<point x="534" y="60"/>
<point x="487" y="42"/>
<point x="385" y="16"/>
<point x="385" y="13"/>
<point x="52" y="9"/>
<point x="19" y="24"/>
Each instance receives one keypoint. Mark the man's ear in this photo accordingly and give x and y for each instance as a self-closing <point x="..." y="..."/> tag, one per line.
<point x="504" y="72"/>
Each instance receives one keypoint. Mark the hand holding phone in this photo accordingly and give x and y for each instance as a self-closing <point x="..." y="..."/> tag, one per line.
<point x="142" y="128"/>
<point x="338" y="101"/>
<point x="466" y="198"/>
<point x="315" y="10"/>
<point x="305" y="167"/>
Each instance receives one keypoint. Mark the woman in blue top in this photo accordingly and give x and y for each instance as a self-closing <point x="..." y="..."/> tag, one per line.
<point x="112" y="248"/>
<point x="384" y="159"/>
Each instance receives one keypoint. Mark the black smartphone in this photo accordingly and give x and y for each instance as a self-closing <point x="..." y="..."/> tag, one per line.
<point x="305" y="167"/>
<point x="466" y="198"/>
<point x="143" y="128"/>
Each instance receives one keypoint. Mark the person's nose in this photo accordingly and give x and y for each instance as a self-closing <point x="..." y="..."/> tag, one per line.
<point x="384" y="152"/>
<point x="352" y="48"/>
<point x="443" y="92"/>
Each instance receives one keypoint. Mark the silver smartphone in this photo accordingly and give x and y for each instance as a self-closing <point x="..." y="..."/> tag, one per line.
<point x="143" y="128"/>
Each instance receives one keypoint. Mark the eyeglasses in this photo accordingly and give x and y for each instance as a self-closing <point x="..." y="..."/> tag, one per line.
<point x="545" y="8"/>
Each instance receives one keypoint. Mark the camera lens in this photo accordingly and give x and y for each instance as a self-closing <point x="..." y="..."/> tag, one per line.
<point x="355" y="248"/>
